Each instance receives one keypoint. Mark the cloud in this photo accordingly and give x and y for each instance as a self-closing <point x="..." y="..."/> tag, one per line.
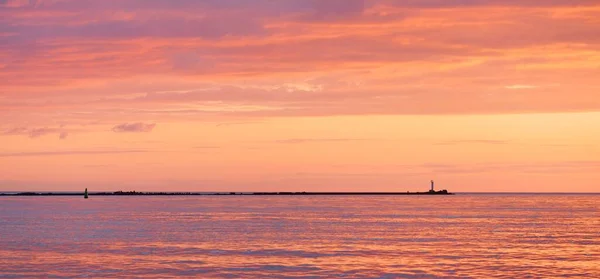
<point x="84" y="60"/>
<point x="308" y="140"/>
<point x="472" y="141"/>
<point x="37" y="132"/>
<point x="134" y="128"/>
<point x="206" y="147"/>
<point x="69" y="152"/>
<point x="445" y="4"/>
<point x="226" y="124"/>
<point x="335" y="9"/>
<point x="98" y="166"/>
<point x="520" y="86"/>
<point x="528" y="167"/>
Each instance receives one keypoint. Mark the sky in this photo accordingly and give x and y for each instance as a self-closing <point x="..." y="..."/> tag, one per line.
<point x="300" y="95"/>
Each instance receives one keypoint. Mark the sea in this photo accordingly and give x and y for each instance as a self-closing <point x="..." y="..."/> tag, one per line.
<point x="467" y="235"/>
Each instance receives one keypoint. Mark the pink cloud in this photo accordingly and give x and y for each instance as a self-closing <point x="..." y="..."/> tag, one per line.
<point x="134" y="128"/>
<point x="69" y="153"/>
<point x="175" y="59"/>
<point x="37" y="132"/>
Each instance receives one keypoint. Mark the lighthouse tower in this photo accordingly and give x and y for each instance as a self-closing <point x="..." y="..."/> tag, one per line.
<point x="432" y="185"/>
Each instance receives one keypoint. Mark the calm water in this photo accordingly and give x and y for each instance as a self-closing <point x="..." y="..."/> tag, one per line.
<point x="463" y="236"/>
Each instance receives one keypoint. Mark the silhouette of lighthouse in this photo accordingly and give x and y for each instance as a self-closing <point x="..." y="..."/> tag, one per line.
<point x="432" y="185"/>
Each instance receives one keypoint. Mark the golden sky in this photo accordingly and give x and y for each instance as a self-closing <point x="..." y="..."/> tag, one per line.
<point x="300" y="95"/>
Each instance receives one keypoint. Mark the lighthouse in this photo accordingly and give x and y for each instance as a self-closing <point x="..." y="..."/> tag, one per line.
<point x="432" y="184"/>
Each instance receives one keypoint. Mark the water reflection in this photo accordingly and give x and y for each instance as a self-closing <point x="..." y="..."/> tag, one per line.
<point x="463" y="236"/>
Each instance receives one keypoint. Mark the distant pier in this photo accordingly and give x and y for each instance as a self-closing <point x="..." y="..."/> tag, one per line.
<point x="134" y="193"/>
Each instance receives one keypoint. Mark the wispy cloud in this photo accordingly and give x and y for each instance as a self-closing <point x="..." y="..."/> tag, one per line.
<point x="134" y="128"/>
<point x="98" y="166"/>
<point x="37" y="132"/>
<point x="472" y="141"/>
<point x="226" y="124"/>
<point x="206" y="147"/>
<point x="284" y="58"/>
<point x="520" y="86"/>
<point x="528" y="167"/>
<point x="69" y="152"/>
<point x="308" y="140"/>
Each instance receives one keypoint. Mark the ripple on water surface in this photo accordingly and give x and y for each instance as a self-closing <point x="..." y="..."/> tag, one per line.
<point x="462" y="236"/>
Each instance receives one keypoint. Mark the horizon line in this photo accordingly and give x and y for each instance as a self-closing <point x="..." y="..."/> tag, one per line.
<point x="272" y="192"/>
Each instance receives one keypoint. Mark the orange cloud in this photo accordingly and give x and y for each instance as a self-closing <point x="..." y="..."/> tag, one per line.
<point x="104" y="66"/>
